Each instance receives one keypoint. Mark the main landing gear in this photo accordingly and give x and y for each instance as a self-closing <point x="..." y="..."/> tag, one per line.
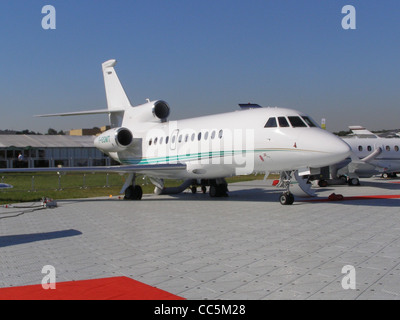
<point x="218" y="187"/>
<point x="132" y="191"/>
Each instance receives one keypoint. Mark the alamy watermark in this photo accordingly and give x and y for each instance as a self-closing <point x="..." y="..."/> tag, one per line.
<point x="349" y="280"/>
<point x="349" y="20"/>
<point x="49" y="280"/>
<point x="49" y="20"/>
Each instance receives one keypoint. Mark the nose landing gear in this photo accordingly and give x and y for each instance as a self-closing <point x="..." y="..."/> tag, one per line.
<point x="286" y="198"/>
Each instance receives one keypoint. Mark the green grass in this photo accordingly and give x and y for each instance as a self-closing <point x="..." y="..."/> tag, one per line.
<point x="32" y="187"/>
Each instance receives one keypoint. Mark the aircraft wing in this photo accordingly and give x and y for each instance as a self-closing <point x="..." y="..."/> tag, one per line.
<point x="131" y="168"/>
<point x="80" y="113"/>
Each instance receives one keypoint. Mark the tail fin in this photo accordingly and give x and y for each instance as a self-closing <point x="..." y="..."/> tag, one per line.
<point x="115" y="93"/>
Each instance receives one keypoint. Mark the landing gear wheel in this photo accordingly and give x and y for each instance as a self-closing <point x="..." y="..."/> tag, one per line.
<point x="194" y="189"/>
<point x="133" y="193"/>
<point x="213" y="191"/>
<point x="286" y="198"/>
<point x="354" y="182"/>
<point x="204" y="189"/>
<point x="219" y="190"/>
<point x="323" y="183"/>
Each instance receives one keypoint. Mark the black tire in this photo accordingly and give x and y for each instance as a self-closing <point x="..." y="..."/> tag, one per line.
<point x="133" y="193"/>
<point x="137" y="193"/>
<point x="286" y="199"/>
<point x="128" y="193"/>
<point x="323" y="183"/>
<point x="354" y="182"/>
<point x="213" y="191"/>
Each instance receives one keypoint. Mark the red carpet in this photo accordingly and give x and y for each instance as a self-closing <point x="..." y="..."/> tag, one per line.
<point x="390" y="196"/>
<point x="118" y="288"/>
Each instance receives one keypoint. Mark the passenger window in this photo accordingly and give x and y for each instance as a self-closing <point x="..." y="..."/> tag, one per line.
<point x="360" y="148"/>
<point x="296" y="122"/>
<point x="155" y="140"/>
<point x="186" y="138"/>
<point x="199" y="136"/>
<point x="396" y="148"/>
<point x="387" y="148"/>
<point x="369" y="148"/>
<point x="206" y="135"/>
<point x="166" y="140"/>
<point x="161" y="140"/>
<point x="180" y="139"/>
<point x="213" y="135"/>
<point x="309" y="121"/>
<point x="193" y="136"/>
<point x="271" y="123"/>
<point x="283" y="122"/>
<point x="220" y="134"/>
<point x="150" y="141"/>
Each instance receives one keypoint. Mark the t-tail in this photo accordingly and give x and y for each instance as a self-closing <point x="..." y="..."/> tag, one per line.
<point x="117" y="100"/>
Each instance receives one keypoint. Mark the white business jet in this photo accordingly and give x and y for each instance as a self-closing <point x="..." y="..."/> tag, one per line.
<point x="205" y="150"/>
<point x="371" y="155"/>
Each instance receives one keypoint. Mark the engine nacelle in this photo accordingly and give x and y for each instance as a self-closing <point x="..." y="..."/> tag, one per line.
<point x="114" y="140"/>
<point x="161" y="110"/>
<point x="153" y="111"/>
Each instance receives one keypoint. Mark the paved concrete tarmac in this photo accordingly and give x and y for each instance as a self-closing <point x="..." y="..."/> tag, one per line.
<point x="246" y="246"/>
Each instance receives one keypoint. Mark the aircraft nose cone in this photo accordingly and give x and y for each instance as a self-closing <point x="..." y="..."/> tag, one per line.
<point x="335" y="148"/>
<point x="341" y="149"/>
<point x="328" y="148"/>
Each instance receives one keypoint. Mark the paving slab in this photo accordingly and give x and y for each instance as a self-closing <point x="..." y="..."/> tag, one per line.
<point x="245" y="246"/>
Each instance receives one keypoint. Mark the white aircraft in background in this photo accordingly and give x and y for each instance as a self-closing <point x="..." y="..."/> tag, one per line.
<point x="371" y="155"/>
<point x="205" y="150"/>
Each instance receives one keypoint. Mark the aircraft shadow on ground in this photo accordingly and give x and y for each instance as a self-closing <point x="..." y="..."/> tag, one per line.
<point x="256" y="195"/>
<point x="13" y="240"/>
<point x="384" y="184"/>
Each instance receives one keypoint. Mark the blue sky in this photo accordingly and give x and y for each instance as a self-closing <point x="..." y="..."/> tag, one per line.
<point x="202" y="57"/>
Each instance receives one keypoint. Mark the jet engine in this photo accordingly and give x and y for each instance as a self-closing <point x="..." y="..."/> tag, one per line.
<point x="152" y="111"/>
<point x="114" y="140"/>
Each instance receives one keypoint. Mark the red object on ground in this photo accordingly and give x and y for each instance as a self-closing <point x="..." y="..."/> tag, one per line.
<point x="275" y="182"/>
<point x="390" y="196"/>
<point x="117" y="288"/>
<point x="335" y="197"/>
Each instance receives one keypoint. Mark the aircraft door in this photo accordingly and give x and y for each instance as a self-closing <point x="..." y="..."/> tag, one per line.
<point x="174" y="138"/>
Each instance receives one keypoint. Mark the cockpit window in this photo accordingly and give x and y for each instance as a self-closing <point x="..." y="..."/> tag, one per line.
<point x="283" y="123"/>
<point x="296" y="122"/>
<point x="271" y="123"/>
<point x="309" y="121"/>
